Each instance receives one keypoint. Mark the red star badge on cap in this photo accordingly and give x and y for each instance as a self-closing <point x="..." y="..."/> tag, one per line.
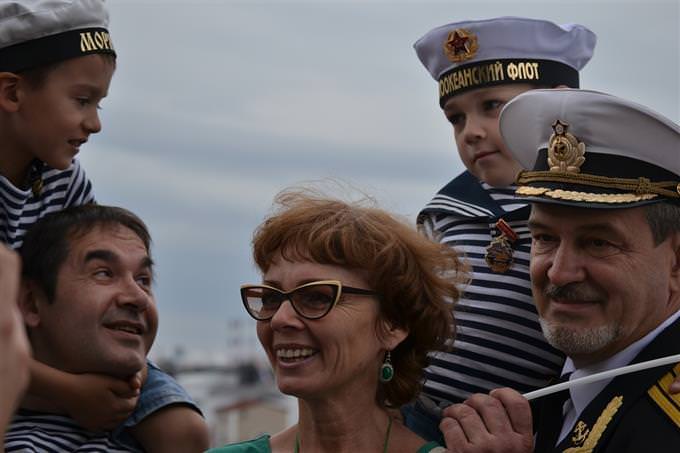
<point x="460" y="45"/>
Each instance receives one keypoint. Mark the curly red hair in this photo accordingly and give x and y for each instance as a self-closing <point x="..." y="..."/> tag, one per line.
<point x="417" y="279"/>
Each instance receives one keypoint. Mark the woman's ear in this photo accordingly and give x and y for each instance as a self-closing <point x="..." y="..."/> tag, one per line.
<point x="391" y="336"/>
<point x="9" y="92"/>
<point x="31" y="299"/>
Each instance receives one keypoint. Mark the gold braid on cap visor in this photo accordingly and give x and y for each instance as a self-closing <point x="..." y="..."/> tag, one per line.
<point x="639" y="189"/>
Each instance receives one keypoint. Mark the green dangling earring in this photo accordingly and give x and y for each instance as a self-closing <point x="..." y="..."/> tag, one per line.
<point x="386" y="369"/>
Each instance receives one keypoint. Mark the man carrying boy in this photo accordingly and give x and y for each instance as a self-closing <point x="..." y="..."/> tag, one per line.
<point x="480" y="65"/>
<point x="604" y="186"/>
<point x="56" y="64"/>
<point x="87" y="302"/>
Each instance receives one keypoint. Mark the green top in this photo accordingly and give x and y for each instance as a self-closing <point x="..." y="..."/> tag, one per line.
<point x="261" y="445"/>
<point x="257" y="445"/>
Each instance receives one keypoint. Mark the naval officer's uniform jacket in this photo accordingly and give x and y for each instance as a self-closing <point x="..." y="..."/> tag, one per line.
<point x="633" y="414"/>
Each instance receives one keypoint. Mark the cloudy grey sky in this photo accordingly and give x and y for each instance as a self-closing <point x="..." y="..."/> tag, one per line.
<point x="217" y="105"/>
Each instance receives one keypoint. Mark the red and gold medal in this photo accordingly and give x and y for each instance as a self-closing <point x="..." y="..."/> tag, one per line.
<point x="499" y="251"/>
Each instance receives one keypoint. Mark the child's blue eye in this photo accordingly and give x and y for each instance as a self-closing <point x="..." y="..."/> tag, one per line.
<point x="85" y="101"/>
<point x="455" y="118"/>
<point x="492" y="104"/>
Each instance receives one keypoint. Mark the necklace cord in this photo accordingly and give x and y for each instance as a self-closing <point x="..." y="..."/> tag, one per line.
<point x="387" y="438"/>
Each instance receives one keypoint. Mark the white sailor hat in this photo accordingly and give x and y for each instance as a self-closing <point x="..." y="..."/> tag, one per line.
<point x="591" y="149"/>
<point x="38" y="32"/>
<point x="474" y="54"/>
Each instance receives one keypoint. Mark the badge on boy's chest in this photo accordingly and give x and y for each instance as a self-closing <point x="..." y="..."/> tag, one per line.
<point x="499" y="251"/>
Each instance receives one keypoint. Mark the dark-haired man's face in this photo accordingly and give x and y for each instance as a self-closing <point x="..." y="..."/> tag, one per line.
<point x="103" y="318"/>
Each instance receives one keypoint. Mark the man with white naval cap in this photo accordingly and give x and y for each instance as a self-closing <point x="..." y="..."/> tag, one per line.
<point x="604" y="186"/>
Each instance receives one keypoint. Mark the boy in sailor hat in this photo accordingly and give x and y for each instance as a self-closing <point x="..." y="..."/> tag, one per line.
<point x="56" y="63"/>
<point x="604" y="185"/>
<point x="479" y="66"/>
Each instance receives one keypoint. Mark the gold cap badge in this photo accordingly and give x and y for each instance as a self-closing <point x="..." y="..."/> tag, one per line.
<point x="565" y="152"/>
<point x="460" y="45"/>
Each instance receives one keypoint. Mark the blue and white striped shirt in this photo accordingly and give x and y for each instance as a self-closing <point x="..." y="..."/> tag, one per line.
<point x="32" y="431"/>
<point x="21" y="208"/>
<point x="498" y="342"/>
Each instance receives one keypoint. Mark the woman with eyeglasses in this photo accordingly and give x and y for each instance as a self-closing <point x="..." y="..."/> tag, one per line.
<point x="351" y="301"/>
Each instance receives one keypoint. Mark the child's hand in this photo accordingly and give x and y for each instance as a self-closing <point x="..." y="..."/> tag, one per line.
<point x="98" y="402"/>
<point x="95" y="401"/>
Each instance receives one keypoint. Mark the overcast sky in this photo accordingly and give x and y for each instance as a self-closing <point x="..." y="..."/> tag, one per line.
<point x="218" y="105"/>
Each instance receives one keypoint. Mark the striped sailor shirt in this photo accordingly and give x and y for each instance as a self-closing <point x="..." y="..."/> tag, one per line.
<point x="498" y="342"/>
<point x="32" y="431"/>
<point x="21" y="208"/>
